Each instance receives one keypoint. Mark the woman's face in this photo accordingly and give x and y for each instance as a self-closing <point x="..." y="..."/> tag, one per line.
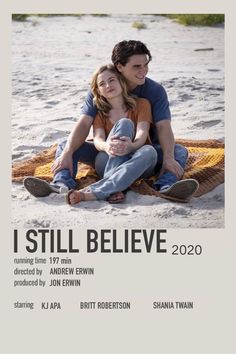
<point x="108" y="85"/>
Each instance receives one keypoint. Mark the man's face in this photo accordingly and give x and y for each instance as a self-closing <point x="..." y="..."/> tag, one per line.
<point x="135" y="70"/>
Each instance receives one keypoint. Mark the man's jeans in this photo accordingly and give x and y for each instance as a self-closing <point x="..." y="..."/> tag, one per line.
<point x="121" y="171"/>
<point x="86" y="153"/>
<point x="168" y="178"/>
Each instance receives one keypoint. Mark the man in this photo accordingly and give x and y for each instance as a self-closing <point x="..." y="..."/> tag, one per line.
<point x="131" y="59"/>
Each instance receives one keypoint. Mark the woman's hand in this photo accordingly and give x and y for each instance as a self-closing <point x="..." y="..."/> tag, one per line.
<point x="119" y="146"/>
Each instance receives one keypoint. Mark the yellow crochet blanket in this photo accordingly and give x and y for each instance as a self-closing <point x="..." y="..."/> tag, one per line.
<point x="205" y="164"/>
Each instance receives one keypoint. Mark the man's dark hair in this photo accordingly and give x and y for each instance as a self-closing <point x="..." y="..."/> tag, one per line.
<point x="125" y="49"/>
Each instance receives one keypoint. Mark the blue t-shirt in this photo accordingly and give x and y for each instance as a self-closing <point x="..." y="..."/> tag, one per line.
<point x="152" y="91"/>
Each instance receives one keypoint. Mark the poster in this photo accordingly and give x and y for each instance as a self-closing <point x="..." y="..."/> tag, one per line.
<point x="62" y="292"/>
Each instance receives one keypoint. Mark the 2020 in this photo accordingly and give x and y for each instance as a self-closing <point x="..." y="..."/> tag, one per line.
<point x="190" y="250"/>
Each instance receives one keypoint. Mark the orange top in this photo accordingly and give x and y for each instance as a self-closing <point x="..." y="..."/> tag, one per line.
<point x="141" y="113"/>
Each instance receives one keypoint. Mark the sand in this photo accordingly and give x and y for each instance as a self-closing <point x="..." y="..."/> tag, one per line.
<point x="52" y="63"/>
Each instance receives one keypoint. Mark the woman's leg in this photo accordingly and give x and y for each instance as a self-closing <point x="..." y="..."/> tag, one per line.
<point x="76" y="196"/>
<point x="125" y="174"/>
<point x="100" y="163"/>
<point x="143" y="160"/>
<point x="104" y="163"/>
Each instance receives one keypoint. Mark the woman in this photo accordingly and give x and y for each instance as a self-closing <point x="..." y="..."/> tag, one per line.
<point x="124" y="154"/>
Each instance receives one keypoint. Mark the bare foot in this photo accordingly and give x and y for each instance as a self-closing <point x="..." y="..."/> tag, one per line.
<point x="116" y="198"/>
<point x="75" y="196"/>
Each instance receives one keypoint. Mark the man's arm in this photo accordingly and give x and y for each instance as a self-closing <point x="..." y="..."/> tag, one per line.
<point x="167" y="142"/>
<point x="76" y="138"/>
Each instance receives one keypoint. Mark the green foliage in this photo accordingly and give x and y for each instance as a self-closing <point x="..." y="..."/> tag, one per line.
<point x="23" y="17"/>
<point x="54" y="15"/>
<point x="100" y="15"/>
<point x="19" y="17"/>
<point x="139" y="25"/>
<point x="185" y="19"/>
<point x="198" y="19"/>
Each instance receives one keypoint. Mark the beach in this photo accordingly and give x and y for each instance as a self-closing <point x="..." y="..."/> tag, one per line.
<point x="53" y="59"/>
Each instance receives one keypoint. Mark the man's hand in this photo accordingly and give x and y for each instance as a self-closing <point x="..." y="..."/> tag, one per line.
<point x="167" y="142"/>
<point x="63" y="162"/>
<point x="171" y="165"/>
<point x="76" y="138"/>
<point x="119" y="146"/>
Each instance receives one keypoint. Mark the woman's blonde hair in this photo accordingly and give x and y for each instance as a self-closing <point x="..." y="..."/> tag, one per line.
<point x="101" y="102"/>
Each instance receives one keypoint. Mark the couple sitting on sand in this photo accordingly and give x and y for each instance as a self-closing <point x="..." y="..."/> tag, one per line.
<point x="132" y="136"/>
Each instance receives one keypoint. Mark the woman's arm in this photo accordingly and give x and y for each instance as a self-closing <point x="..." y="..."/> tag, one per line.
<point x="100" y="139"/>
<point x="141" y="135"/>
<point x="144" y="118"/>
<point x="101" y="143"/>
<point x="125" y="145"/>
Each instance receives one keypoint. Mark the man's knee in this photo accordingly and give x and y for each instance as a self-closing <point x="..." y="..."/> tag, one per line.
<point x="60" y="148"/>
<point x="181" y="151"/>
<point x="62" y="143"/>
